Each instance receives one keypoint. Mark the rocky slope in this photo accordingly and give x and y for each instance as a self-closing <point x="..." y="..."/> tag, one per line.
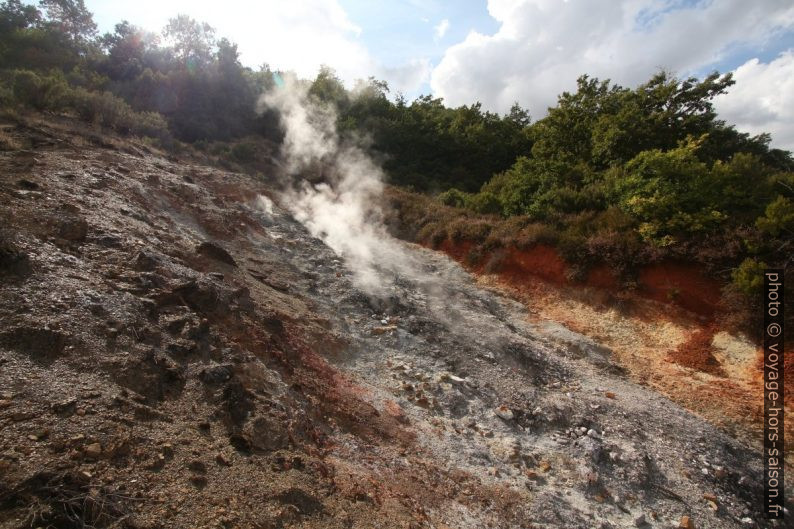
<point x="177" y="351"/>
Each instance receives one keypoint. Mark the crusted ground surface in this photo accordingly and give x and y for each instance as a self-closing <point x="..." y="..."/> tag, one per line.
<point x="177" y="351"/>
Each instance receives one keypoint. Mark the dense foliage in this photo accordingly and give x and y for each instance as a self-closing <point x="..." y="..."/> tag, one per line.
<point x="610" y="172"/>
<point x="196" y="82"/>
<point x="620" y="172"/>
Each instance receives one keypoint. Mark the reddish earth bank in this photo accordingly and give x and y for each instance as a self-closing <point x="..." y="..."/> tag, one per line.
<point x="682" y="284"/>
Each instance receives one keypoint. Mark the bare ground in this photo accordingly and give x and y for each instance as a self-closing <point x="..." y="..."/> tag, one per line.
<point x="174" y="355"/>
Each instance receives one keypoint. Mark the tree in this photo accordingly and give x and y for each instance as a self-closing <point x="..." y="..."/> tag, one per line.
<point x="192" y="42"/>
<point x="71" y="17"/>
<point x="328" y="88"/>
<point x="656" y="115"/>
<point x="126" y="50"/>
<point x="566" y="133"/>
<point x="14" y="15"/>
<point x="518" y="116"/>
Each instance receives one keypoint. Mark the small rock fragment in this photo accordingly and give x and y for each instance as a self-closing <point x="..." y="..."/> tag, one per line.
<point x="640" y="520"/>
<point x="686" y="523"/>
<point x="216" y="252"/>
<point x="503" y="412"/>
<point x="93" y="450"/>
<point x="197" y="466"/>
<point x="65" y="407"/>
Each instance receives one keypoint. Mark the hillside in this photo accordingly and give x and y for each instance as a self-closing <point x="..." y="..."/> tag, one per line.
<point x="178" y="351"/>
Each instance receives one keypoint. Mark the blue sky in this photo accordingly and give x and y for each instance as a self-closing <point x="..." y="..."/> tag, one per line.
<point x="502" y="51"/>
<point x="395" y="31"/>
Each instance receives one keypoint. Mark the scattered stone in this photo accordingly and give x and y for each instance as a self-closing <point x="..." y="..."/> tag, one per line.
<point x="93" y="450"/>
<point x="197" y="466"/>
<point x="544" y="466"/>
<point x="592" y="433"/>
<point x="65" y="407"/>
<point x="503" y="412"/>
<point x="686" y="523"/>
<point x="640" y="521"/>
<point x="157" y="463"/>
<point x="73" y="229"/>
<point x="610" y="395"/>
<point x="145" y="261"/>
<point x="168" y="450"/>
<point x="216" y="252"/>
<point x="216" y="374"/>
<point x="710" y="497"/>
<point x="223" y="460"/>
<point x="383" y="330"/>
<point x="199" y="480"/>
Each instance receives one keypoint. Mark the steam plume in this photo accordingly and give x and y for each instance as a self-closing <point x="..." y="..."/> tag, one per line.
<point x="335" y="189"/>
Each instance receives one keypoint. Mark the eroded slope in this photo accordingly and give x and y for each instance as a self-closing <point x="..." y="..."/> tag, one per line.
<point x="177" y="351"/>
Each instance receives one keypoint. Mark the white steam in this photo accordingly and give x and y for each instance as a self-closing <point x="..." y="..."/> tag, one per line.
<point x="335" y="189"/>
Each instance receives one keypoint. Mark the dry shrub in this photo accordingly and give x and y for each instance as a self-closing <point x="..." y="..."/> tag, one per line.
<point x="697" y="352"/>
<point x="8" y="142"/>
<point x="536" y="233"/>
<point x="495" y="261"/>
<point x="66" y="499"/>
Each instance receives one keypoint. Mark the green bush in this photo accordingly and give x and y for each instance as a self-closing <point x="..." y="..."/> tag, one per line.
<point x="45" y="92"/>
<point x="454" y="198"/>
<point x="50" y="92"/>
<point x="778" y="218"/>
<point x="484" y="202"/>
<point x="748" y="278"/>
<point x="111" y="111"/>
<point x="244" y="152"/>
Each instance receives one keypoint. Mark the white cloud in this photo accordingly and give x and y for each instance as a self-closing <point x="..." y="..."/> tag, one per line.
<point x="406" y="78"/>
<point x="762" y="100"/>
<point x="542" y="46"/>
<point x="441" y="28"/>
<point x="297" y="36"/>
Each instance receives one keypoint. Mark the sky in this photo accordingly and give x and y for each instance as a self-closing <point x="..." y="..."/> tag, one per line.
<point x="503" y="51"/>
